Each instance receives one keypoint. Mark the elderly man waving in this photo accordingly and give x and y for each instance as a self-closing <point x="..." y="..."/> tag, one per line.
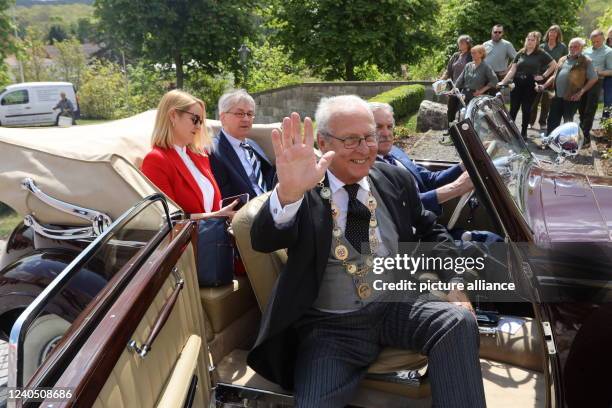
<point x="324" y="324"/>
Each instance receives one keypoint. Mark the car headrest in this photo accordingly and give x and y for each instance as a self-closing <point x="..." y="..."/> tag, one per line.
<point x="262" y="269"/>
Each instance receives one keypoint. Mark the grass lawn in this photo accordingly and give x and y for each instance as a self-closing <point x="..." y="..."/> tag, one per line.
<point x="7" y="223"/>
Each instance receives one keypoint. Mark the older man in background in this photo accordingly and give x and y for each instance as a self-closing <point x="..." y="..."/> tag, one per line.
<point x="573" y="78"/>
<point x="601" y="56"/>
<point x="239" y="164"/>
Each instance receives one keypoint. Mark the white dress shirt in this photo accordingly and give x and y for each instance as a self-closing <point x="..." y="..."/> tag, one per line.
<point x="206" y="187"/>
<point x="246" y="164"/>
<point x="284" y="216"/>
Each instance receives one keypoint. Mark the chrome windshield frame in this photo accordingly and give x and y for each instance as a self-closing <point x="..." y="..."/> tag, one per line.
<point x="24" y="321"/>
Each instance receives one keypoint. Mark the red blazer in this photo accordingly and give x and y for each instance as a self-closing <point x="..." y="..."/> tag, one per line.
<point x="166" y="169"/>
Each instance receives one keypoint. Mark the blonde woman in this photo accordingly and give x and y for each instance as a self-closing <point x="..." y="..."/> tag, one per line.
<point x="178" y="164"/>
<point x="531" y="64"/>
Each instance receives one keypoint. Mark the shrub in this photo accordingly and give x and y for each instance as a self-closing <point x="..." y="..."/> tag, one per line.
<point x="404" y="99"/>
<point x="103" y="93"/>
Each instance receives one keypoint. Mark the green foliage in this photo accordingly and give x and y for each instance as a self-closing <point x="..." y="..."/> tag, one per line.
<point x="32" y="56"/>
<point x="103" y="93"/>
<point x="476" y="17"/>
<point x="592" y="15"/>
<point x="6" y="38"/>
<point x="205" y="32"/>
<point x="42" y="17"/>
<point x="370" y="72"/>
<point x="209" y="88"/>
<point x="604" y="22"/>
<point x="335" y="37"/>
<point x="404" y="99"/>
<point x="428" y="68"/>
<point x="269" y="68"/>
<point x="56" y="33"/>
<point x="70" y="62"/>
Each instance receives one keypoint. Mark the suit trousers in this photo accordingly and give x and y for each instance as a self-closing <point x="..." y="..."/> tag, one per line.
<point x="335" y="350"/>
<point x="588" y="107"/>
<point x="560" y="109"/>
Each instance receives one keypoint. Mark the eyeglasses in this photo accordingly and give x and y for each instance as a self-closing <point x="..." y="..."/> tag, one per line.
<point x="498" y="32"/>
<point x="195" y="118"/>
<point x="352" y="142"/>
<point x="243" y="115"/>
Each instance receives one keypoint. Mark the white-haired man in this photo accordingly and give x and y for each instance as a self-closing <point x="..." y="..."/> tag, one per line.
<point x="239" y="164"/>
<point x="324" y="325"/>
<point x="573" y="78"/>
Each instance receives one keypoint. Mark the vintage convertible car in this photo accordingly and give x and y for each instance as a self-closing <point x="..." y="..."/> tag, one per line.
<point x="99" y="295"/>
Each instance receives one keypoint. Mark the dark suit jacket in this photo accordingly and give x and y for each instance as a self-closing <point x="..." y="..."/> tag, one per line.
<point x="427" y="180"/>
<point x="308" y="242"/>
<point x="228" y="169"/>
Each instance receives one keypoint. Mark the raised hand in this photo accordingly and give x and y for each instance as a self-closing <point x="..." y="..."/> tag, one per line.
<point x="297" y="168"/>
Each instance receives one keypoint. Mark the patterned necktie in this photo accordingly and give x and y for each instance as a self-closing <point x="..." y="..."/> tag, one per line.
<point x="256" y="175"/>
<point x="389" y="159"/>
<point x="357" y="219"/>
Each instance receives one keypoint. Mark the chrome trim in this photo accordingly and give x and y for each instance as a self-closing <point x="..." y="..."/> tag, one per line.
<point x="99" y="220"/>
<point x="60" y="233"/>
<point x="21" y="326"/>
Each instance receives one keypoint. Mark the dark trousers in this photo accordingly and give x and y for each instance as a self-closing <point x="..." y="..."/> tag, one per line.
<point x="522" y="97"/>
<point x="560" y="109"/>
<point x="335" y="351"/>
<point x="588" y="107"/>
<point x="542" y="99"/>
<point x="607" y="90"/>
<point x="454" y="104"/>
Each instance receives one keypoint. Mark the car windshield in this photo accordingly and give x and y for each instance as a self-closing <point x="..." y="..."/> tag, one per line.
<point x="500" y="137"/>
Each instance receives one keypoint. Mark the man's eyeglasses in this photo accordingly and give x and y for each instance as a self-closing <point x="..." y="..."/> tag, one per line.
<point x="243" y="115"/>
<point x="195" y="118"/>
<point x="352" y="142"/>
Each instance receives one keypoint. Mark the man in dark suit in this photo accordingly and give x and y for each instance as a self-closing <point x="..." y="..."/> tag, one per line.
<point x="239" y="164"/>
<point x="323" y="325"/>
<point x="435" y="187"/>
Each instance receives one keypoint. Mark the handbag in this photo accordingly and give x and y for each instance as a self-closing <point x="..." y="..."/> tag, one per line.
<point x="215" y="253"/>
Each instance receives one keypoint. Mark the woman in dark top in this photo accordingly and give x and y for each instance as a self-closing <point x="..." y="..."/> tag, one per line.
<point x="554" y="46"/>
<point x="478" y="77"/>
<point x="526" y="69"/>
<point x="454" y="68"/>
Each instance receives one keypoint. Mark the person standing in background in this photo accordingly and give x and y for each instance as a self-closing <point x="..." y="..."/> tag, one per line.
<point x="601" y="56"/>
<point x="554" y="46"/>
<point x="500" y="52"/>
<point x="455" y="67"/>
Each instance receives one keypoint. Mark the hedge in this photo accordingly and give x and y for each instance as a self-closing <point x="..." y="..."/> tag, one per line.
<point x="404" y="99"/>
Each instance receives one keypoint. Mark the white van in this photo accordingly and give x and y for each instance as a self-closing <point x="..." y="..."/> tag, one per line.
<point x="31" y="103"/>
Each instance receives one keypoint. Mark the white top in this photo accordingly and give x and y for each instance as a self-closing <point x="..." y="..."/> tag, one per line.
<point x="206" y="187"/>
<point x="246" y="164"/>
<point x="284" y="216"/>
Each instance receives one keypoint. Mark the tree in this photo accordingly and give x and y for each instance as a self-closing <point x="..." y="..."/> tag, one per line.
<point x="334" y="37"/>
<point x="476" y="17"/>
<point x="56" y="33"/>
<point x="6" y="39"/>
<point x="605" y="21"/>
<point x="204" y="32"/>
<point x="33" y="55"/>
<point x="71" y="61"/>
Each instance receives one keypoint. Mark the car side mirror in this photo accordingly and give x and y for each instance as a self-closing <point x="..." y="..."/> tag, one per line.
<point x="440" y="86"/>
<point x="566" y="140"/>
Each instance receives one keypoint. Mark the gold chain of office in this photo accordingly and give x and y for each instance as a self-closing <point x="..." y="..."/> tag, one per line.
<point x="357" y="271"/>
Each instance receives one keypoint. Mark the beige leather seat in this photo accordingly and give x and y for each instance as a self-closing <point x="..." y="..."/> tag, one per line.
<point x="224" y="304"/>
<point x="263" y="269"/>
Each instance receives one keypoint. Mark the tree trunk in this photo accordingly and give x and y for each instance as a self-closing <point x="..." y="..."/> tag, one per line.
<point x="178" y="62"/>
<point x="349" y="70"/>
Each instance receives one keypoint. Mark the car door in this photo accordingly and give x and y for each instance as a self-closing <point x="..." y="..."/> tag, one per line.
<point x="141" y="342"/>
<point x="17" y="107"/>
<point x="567" y="283"/>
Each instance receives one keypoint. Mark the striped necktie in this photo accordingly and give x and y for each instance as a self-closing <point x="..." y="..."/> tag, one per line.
<point x="256" y="175"/>
<point x="389" y="159"/>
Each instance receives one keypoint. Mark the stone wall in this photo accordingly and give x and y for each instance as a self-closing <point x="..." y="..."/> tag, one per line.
<point x="274" y="104"/>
